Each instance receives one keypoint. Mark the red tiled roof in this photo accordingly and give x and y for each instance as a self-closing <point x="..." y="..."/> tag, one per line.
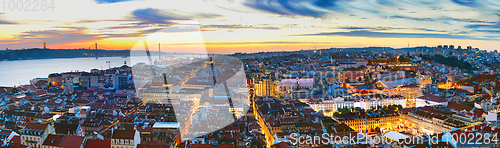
<point x="71" y="141"/>
<point x="40" y="92"/>
<point x="40" y="83"/>
<point x="459" y="107"/>
<point x="280" y="145"/>
<point x="36" y="126"/>
<point x="210" y="145"/>
<point x="53" y="140"/>
<point x="16" y="140"/>
<point x="5" y="89"/>
<point x="95" y="143"/>
<point x="29" y="86"/>
<point x="124" y="134"/>
<point x="151" y="146"/>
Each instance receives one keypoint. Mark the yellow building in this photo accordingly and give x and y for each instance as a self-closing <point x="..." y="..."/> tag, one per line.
<point x="266" y="87"/>
<point x="410" y="92"/>
<point x="160" y="94"/>
<point x="382" y="122"/>
<point x="430" y="122"/>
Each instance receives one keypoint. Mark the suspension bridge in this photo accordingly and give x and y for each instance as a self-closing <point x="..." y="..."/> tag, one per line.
<point x="170" y="50"/>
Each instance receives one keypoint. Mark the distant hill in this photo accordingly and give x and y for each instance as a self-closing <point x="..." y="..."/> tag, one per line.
<point x="358" y="49"/>
<point x="36" y="53"/>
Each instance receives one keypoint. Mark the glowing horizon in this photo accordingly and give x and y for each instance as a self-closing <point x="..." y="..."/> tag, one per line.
<point x="257" y="25"/>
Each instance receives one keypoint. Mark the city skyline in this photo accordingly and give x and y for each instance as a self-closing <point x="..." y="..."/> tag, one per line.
<point x="253" y="26"/>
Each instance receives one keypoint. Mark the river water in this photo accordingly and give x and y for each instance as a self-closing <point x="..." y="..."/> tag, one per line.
<point x="22" y="71"/>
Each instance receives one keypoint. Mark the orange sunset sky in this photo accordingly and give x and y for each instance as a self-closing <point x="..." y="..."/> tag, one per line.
<point x="228" y="26"/>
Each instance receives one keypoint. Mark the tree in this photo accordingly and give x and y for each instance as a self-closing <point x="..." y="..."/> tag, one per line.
<point x="14" y="90"/>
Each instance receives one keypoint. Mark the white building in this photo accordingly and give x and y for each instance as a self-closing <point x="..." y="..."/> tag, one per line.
<point x="125" y="139"/>
<point x="363" y="103"/>
<point x="430" y="100"/>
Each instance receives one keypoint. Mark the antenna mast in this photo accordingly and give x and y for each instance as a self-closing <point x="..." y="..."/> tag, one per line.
<point x="159" y="53"/>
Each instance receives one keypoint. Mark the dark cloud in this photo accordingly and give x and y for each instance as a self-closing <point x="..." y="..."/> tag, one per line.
<point x="133" y="34"/>
<point x="410" y="18"/>
<point x="319" y="8"/>
<point x="367" y="28"/>
<point x="467" y="20"/>
<point x="157" y="16"/>
<point x="4" y="21"/>
<point x="445" y="19"/>
<point x="326" y="3"/>
<point x="364" y="33"/>
<point x="388" y="28"/>
<point x="479" y="4"/>
<point x="110" y="1"/>
<point x="427" y="29"/>
<point x="487" y="31"/>
<point x="470" y="3"/>
<point x="151" y="16"/>
<point x="476" y="26"/>
<point x="291" y="7"/>
<point x="59" y="36"/>
<point x="69" y="35"/>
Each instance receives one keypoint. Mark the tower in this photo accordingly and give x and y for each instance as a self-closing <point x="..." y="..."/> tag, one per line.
<point x="159" y="52"/>
<point x="44" y="45"/>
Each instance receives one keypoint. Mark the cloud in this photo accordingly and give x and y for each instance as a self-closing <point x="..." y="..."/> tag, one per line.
<point x="388" y="28"/>
<point x="410" y="18"/>
<point x="482" y="4"/>
<point x="157" y="16"/>
<point x="135" y="26"/>
<point x="132" y="34"/>
<point x="68" y="35"/>
<point x="238" y="26"/>
<point x="364" y="33"/>
<point x="429" y="30"/>
<point x="476" y="26"/>
<point x="487" y="31"/>
<point x="465" y="2"/>
<point x="59" y="36"/>
<point x="110" y="1"/>
<point x="4" y="21"/>
<point x="270" y="42"/>
<point x="69" y="27"/>
<point x="443" y="19"/>
<point x="291" y="7"/>
<point x="367" y="28"/>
